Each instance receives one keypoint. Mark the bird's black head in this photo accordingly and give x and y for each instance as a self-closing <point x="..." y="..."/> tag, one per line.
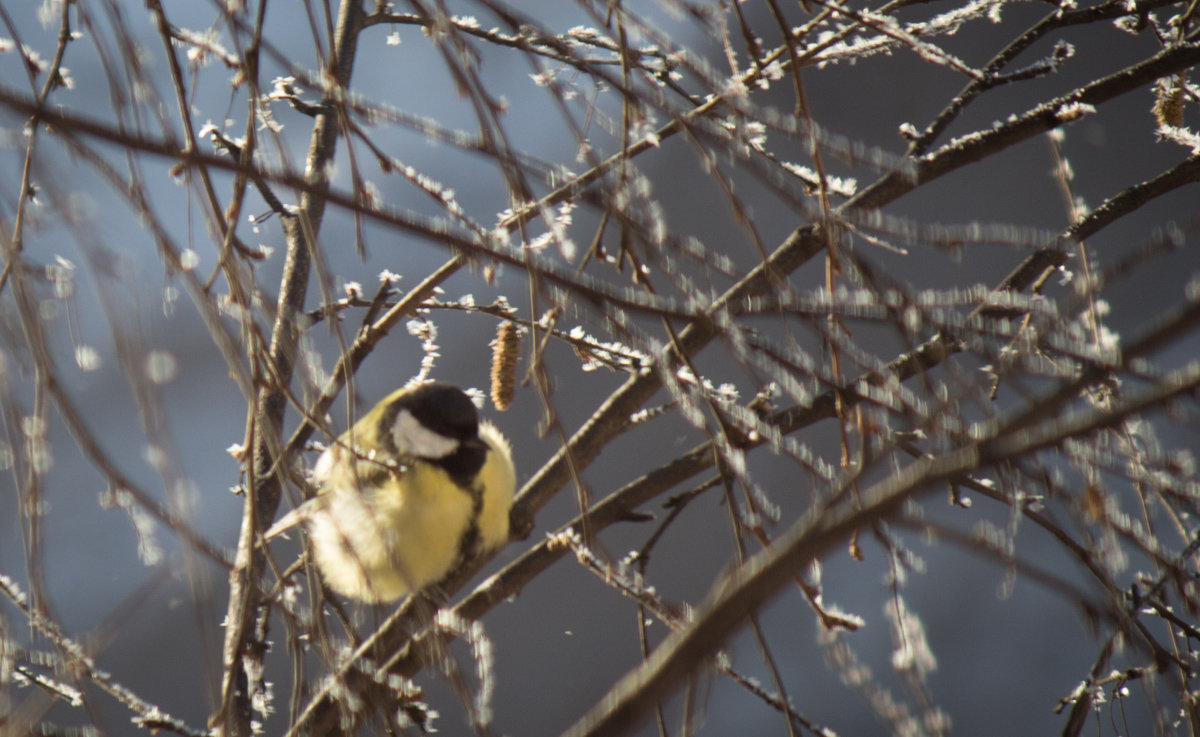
<point x="438" y="423"/>
<point x="443" y="408"/>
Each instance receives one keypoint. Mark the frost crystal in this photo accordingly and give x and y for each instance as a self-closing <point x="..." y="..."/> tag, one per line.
<point x="161" y="366"/>
<point x="86" y="358"/>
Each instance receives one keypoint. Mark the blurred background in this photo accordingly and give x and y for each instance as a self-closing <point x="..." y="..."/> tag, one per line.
<point x="138" y="362"/>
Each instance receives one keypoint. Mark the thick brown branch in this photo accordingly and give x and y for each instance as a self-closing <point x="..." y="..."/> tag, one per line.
<point x="264" y="486"/>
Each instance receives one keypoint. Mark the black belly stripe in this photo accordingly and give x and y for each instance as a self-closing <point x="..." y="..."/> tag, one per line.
<point x="470" y="542"/>
<point x="463" y="466"/>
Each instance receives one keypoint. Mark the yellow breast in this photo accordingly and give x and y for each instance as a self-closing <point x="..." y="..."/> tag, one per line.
<point x="379" y="534"/>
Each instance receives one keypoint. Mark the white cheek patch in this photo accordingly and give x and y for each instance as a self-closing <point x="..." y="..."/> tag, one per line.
<point x="414" y="439"/>
<point x="324" y="466"/>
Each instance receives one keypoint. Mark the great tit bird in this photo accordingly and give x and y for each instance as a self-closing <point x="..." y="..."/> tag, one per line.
<point x="416" y="485"/>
